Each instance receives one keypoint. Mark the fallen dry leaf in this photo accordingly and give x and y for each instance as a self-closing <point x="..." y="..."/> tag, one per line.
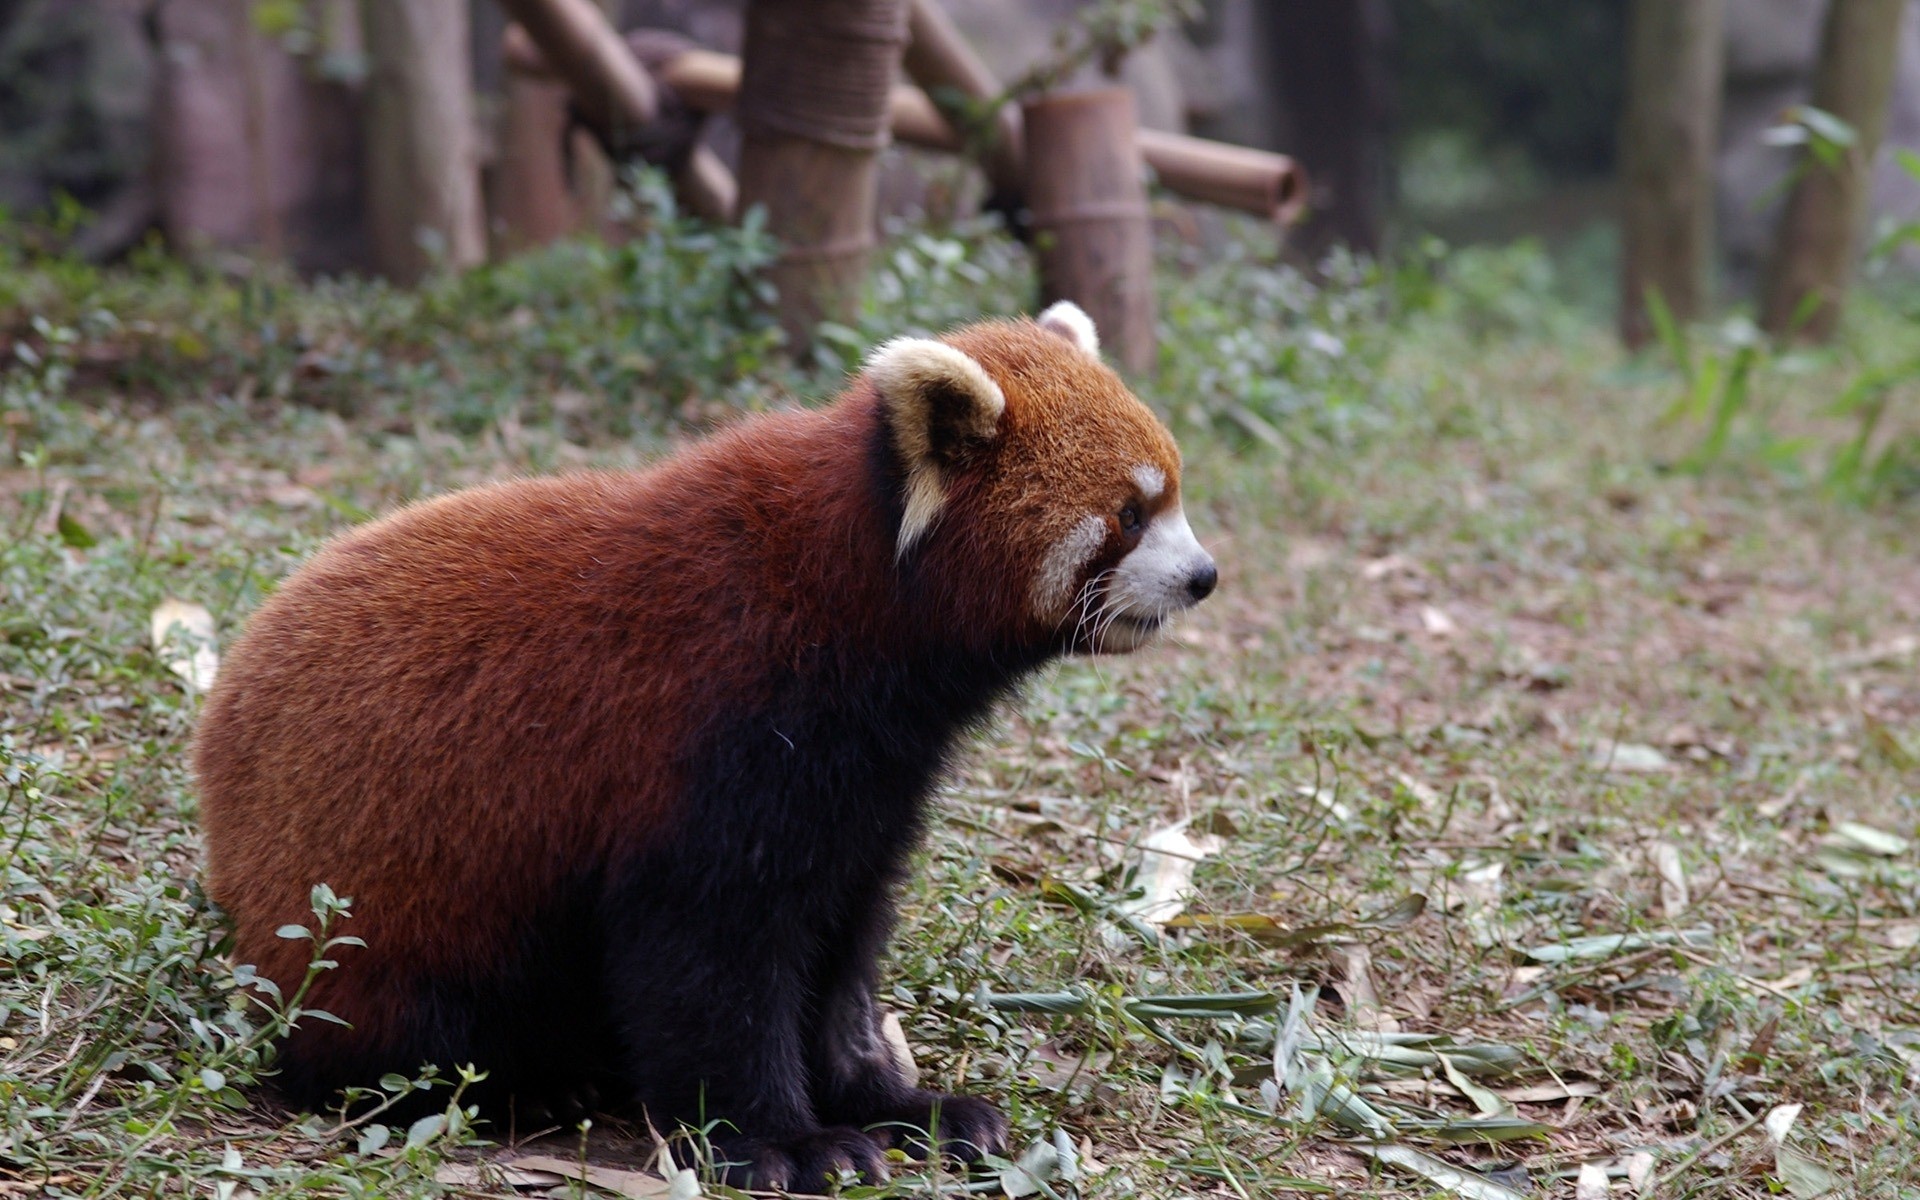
<point x="641" y="1185"/>
<point x="1165" y="875"/>
<point x="186" y="629"/>
<point x="1632" y="757"/>
<point x="1592" y="1184"/>
<point x="1436" y="621"/>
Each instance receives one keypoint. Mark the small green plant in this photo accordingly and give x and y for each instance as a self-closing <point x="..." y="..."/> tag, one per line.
<point x="1254" y="351"/>
<point x="1104" y="32"/>
<point x="1726" y="371"/>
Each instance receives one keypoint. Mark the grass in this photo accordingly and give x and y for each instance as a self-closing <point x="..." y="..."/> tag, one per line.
<point x="1565" y="802"/>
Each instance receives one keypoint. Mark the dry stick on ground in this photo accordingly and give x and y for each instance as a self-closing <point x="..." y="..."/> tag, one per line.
<point x="1667" y="147"/>
<point x="1819" y="235"/>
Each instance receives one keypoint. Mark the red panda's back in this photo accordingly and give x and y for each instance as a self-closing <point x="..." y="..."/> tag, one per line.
<point x="438" y="714"/>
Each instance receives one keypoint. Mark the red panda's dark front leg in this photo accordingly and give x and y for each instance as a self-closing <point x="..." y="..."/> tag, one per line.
<point x="856" y="1080"/>
<point x="709" y="1012"/>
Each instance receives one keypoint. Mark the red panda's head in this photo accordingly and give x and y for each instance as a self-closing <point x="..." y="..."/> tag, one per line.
<point x="1039" y="479"/>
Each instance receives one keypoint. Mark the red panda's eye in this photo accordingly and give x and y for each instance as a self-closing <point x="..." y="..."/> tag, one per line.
<point x="1129" y="519"/>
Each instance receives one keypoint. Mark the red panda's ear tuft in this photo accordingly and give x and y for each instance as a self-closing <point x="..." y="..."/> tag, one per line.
<point x="1070" y="321"/>
<point x="940" y="404"/>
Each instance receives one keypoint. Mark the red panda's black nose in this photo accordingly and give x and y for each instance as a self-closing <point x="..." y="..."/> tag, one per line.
<point x="1200" y="583"/>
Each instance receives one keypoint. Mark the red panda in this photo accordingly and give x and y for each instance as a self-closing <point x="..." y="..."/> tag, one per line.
<point x="620" y="770"/>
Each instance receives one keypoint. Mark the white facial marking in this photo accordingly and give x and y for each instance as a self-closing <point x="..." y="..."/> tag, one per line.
<point x="1052" y="589"/>
<point x="925" y="498"/>
<point x="1151" y="480"/>
<point x="1153" y="582"/>
<point x="1069" y="320"/>
<point x="906" y="371"/>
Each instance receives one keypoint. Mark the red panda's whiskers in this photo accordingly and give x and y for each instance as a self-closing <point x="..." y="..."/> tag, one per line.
<point x="1084" y="604"/>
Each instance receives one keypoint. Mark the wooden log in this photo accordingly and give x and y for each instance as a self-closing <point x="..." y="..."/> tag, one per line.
<point x="1819" y="238"/>
<point x="1255" y="181"/>
<point x="1087" y="190"/>
<point x="613" y="91"/>
<point x="940" y="57"/>
<point x="815" y="84"/>
<point x="702" y="181"/>
<point x="423" y="170"/>
<point x="533" y="203"/>
<point x="1667" y="146"/>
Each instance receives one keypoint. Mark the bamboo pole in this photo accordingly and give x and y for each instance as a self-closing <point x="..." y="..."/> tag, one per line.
<point x="1667" y="145"/>
<point x="1819" y="237"/>
<point x="1255" y="181"/>
<point x="532" y="202"/>
<point x="1087" y="189"/>
<point x="815" y="85"/>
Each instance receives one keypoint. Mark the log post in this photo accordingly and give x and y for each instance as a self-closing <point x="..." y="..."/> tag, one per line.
<point x="1088" y="194"/>
<point x="532" y="202"/>
<point x="423" y="171"/>
<point x="1667" y="145"/>
<point x="1819" y="236"/>
<point x="816" y="79"/>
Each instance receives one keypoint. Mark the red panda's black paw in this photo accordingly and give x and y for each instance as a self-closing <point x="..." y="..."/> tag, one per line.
<point x="809" y="1163"/>
<point x="965" y="1127"/>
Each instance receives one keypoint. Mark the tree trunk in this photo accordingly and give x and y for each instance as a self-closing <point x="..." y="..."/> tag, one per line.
<point x="1087" y="188"/>
<point x="256" y="153"/>
<point x="1330" y="57"/>
<point x="533" y="203"/>
<point x="814" y="89"/>
<point x="1675" y="65"/>
<point x="423" y="177"/>
<point x="1819" y="235"/>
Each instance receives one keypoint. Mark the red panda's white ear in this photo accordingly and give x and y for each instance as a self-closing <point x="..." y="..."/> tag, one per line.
<point x="1071" y="322"/>
<point x="939" y="403"/>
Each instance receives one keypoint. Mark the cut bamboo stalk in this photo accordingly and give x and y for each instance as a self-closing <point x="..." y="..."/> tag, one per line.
<point x="815" y="86"/>
<point x="1260" y="182"/>
<point x="1256" y="181"/>
<point x="1087" y="190"/>
<point x="532" y="203"/>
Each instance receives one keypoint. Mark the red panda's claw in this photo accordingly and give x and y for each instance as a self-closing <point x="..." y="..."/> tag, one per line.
<point x="808" y="1163"/>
